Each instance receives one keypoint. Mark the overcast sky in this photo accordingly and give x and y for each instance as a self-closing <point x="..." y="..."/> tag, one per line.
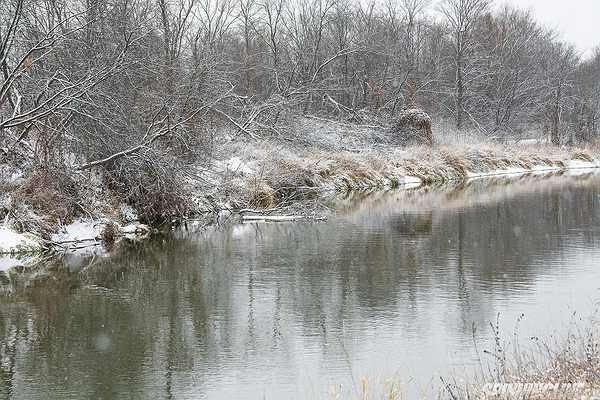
<point x="578" y="21"/>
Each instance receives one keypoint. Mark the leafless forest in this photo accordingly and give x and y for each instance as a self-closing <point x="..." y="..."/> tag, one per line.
<point x="137" y="89"/>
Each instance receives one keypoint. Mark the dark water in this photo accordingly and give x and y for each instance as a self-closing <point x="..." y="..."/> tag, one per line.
<point x="388" y="291"/>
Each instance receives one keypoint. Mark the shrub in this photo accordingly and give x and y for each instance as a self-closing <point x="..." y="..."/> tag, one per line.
<point x="49" y="193"/>
<point x="153" y="186"/>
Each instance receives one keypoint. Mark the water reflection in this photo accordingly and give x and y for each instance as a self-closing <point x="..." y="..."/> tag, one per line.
<point x="391" y="287"/>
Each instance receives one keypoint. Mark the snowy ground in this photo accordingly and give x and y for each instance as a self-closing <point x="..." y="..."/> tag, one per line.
<point x="15" y="247"/>
<point x="12" y="242"/>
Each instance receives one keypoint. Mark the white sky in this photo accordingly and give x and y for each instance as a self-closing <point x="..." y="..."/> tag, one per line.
<point x="578" y="21"/>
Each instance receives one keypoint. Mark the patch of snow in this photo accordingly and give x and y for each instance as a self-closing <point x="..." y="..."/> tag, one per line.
<point x="544" y="169"/>
<point x="572" y="167"/>
<point x="507" y="171"/>
<point x="128" y="213"/>
<point x="8" y="262"/>
<point x="580" y="172"/>
<point x="134" y="230"/>
<point x="526" y="141"/>
<point x="78" y="230"/>
<point x="580" y="164"/>
<point x="531" y="141"/>
<point x="411" y="185"/>
<point x="235" y="164"/>
<point x="11" y="175"/>
<point x="15" y="176"/>
<point x="412" y="180"/>
<point x="12" y="242"/>
<point x="581" y="167"/>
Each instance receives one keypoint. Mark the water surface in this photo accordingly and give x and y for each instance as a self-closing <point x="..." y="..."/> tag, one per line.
<point x="392" y="288"/>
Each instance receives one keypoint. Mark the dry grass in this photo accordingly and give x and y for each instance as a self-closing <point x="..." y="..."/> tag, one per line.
<point x="551" y="369"/>
<point x="318" y="157"/>
<point x="564" y="368"/>
<point x="283" y="175"/>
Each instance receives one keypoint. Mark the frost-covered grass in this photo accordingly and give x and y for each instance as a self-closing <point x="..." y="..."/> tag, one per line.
<point x="549" y="368"/>
<point x="42" y="210"/>
<point x="274" y="173"/>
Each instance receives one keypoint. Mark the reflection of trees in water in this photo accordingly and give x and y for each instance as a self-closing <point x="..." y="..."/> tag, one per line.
<point x="98" y="342"/>
<point x="412" y="225"/>
<point x="178" y="309"/>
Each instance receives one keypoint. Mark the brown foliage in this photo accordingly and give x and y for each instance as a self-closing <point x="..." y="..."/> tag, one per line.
<point x="50" y="193"/>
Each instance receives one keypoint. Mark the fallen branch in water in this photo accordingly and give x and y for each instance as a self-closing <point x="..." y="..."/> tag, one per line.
<point x="72" y="245"/>
<point x="280" y="218"/>
<point x="76" y="241"/>
<point x="257" y="211"/>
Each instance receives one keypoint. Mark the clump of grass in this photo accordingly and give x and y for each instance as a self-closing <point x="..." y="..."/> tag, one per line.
<point x="433" y="169"/>
<point x="52" y="193"/>
<point x="582" y="155"/>
<point x="456" y="162"/>
<point x="353" y="173"/>
<point x="293" y="180"/>
<point x="261" y="195"/>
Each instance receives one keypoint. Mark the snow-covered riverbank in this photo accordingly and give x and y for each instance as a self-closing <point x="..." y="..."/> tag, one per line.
<point x="12" y="242"/>
<point x="301" y="180"/>
<point x="260" y="176"/>
<point x="298" y="176"/>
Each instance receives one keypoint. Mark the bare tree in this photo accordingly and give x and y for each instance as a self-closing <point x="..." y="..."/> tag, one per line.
<point x="558" y="69"/>
<point x="38" y="96"/>
<point x="587" y="104"/>
<point x="510" y="87"/>
<point x="139" y="89"/>
<point x="462" y="17"/>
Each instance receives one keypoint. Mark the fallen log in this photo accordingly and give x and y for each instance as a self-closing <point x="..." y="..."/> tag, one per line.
<point x="280" y="218"/>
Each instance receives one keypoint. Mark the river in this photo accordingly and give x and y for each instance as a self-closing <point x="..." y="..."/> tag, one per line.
<point x="397" y="287"/>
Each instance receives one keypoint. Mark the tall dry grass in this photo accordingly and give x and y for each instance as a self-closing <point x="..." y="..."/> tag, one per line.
<point x="282" y="174"/>
<point x="549" y="368"/>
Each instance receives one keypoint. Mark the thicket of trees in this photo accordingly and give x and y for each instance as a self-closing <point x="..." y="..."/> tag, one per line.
<point x="138" y="70"/>
<point x="102" y="82"/>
